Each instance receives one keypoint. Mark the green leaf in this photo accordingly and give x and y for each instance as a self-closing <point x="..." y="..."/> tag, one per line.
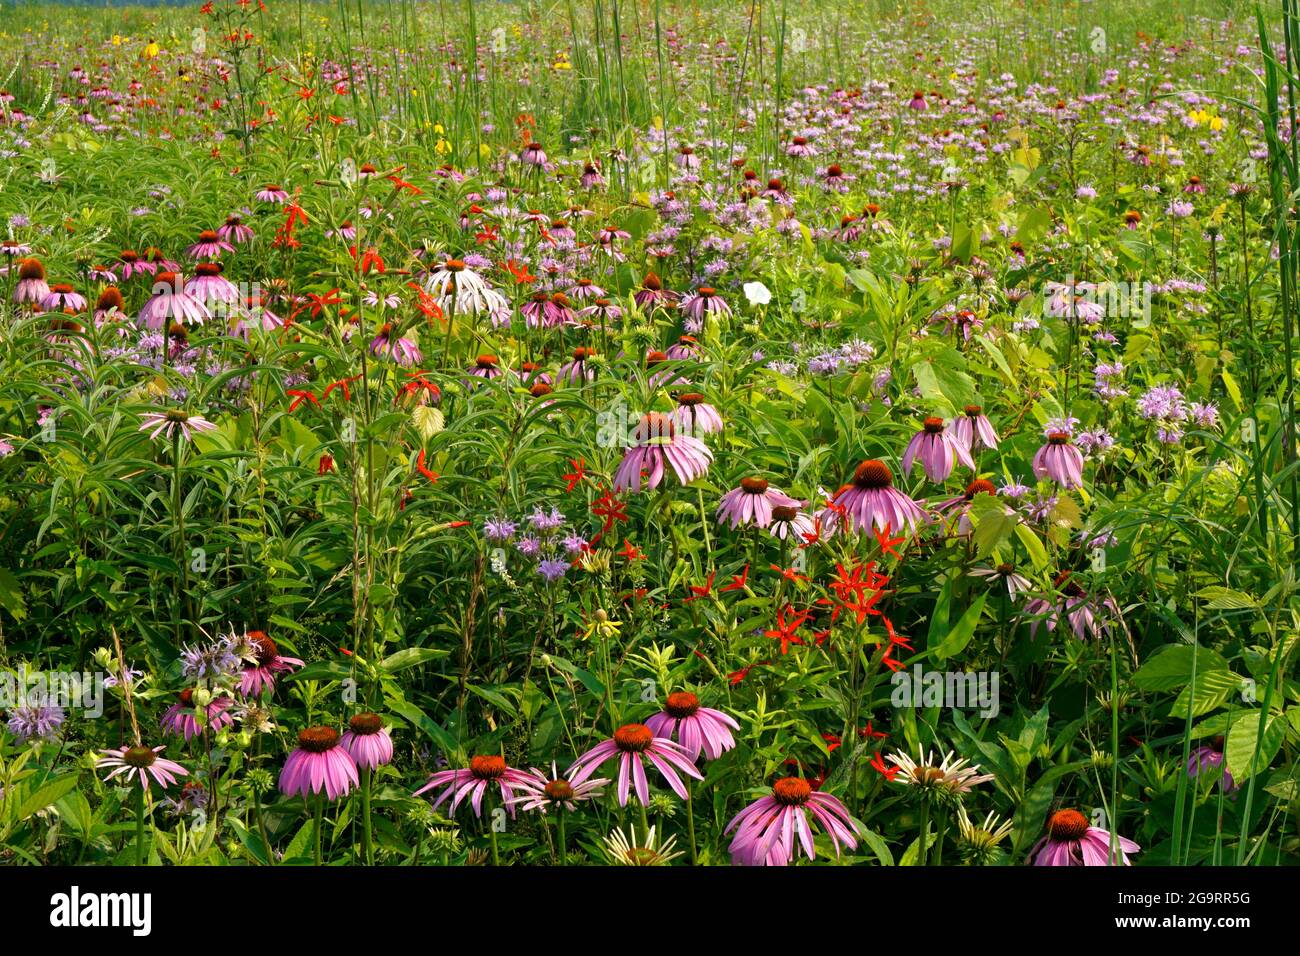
<point x="1171" y="666"/>
<point x="46" y="795"/>
<point x="1221" y="598"/>
<point x="411" y="657"/>
<point x="1209" y="690"/>
<point x="1248" y="751"/>
<point x="955" y="641"/>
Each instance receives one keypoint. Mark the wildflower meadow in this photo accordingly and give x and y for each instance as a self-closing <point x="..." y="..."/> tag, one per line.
<point x="650" y="433"/>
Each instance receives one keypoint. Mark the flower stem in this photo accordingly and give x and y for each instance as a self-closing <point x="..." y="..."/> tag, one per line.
<point x="367" y="843"/>
<point x="318" y="826"/>
<point x="139" y="827"/>
<point x="925" y="832"/>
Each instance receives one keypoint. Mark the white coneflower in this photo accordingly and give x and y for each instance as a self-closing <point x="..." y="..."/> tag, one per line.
<point x="459" y="290"/>
<point x="621" y="851"/>
<point x="943" y="780"/>
<point x="978" y="842"/>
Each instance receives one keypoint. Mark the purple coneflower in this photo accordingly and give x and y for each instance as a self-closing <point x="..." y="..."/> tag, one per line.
<point x="656" y="441"/>
<point x="209" y="246"/>
<point x="1016" y="583"/>
<point x="631" y="744"/>
<point x="1086" y="616"/>
<point x="791" y="523"/>
<point x="31" y="288"/>
<point x="234" y="231"/>
<point x="486" y="366"/>
<point x="766" y="830"/>
<point x="1070" y="841"/>
<point x="871" y="498"/>
<point x="752" y="502"/>
<point x="388" y="344"/>
<point x="694" y="416"/>
<point x="938" y="449"/>
<point x="262" y="662"/>
<point x="533" y="155"/>
<point x="484" y="771"/>
<point x="973" y="429"/>
<point x="367" y="742"/>
<point x="166" y="423"/>
<point x="1059" y="460"/>
<point x="209" y="285"/>
<point x="543" y="791"/>
<point x="131" y="263"/>
<point x="696" y="728"/>
<point x="171" y="301"/>
<point x="703" y="303"/>
<point x="272" y="194"/>
<point x="318" y="763"/>
<point x="652" y="293"/>
<point x="62" y="296"/>
<point x="142" y="762"/>
<point x="181" y="717"/>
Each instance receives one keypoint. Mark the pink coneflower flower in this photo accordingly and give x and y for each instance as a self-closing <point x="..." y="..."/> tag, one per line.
<point x="800" y="148"/>
<point x="591" y="177"/>
<point x="318" y="763"/>
<point x="585" y="290"/>
<point x="486" y="366"/>
<point x="917" y="102"/>
<point x="686" y="347"/>
<point x="234" y="231"/>
<point x="702" y="304"/>
<point x="160" y="261"/>
<point x="656" y="441"/>
<point x="141" y="762"/>
<point x="1210" y="760"/>
<point x="181" y="717"/>
<point x="13" y="248"/>
<point x="367" y="742"/>
<point x="871" y="498"/>
<point x="1060" y="461"/>
<point x="601" y="312"/>
<point x="766" y="830"/>
<point x="209" y="246"/>
<point x="254" y="314"/>
<point x="171" y="301"/>
<point x="1086" y="616"/>
<point x="209" y="285"/>
<point x="1070" y="841"/>
<point x="837" y="180"/>
<point x="533" y="155"/>
<point x="696" y="728"/>
<point x="62" y="296"/>
<point x="484" y="771"/>
<point x="31" y="288"/>
<point x="553" y="790"/>
<point x="695" y="416"/>
<point x="387" y="344"/>
<point x="752" y="503"/>
<point x="938" y="449"/>
<point x="791" y="523"/>
<point x="130" y="263"/>
<point x="580" y="369"/>
<point x="686" y="158"/>
<point x="962" y="503"/>
<point x="263" y="663"/>
<point x="1194" y="185"/>
<point x="272" y="194"/>
<point x="652" y="293"/>
<point x="973" y="429"/>
<point x="1016" y="584"/>
<point x="166" y="423"/>
<point x="631" y="744"/>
